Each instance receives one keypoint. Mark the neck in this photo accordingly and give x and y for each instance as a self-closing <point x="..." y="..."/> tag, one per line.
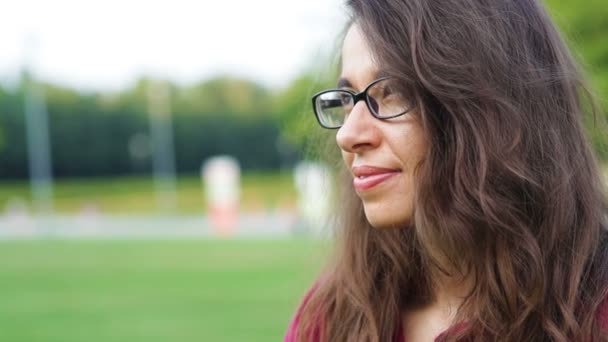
<point x="450" y="291"/>
<point x="427" y="320"/>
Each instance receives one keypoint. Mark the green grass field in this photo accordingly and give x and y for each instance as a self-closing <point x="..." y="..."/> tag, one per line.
<point x="201" y="290"/>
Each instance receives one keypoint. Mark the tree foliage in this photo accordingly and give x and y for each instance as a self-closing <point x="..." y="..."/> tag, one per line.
<point x="109" y="134"/>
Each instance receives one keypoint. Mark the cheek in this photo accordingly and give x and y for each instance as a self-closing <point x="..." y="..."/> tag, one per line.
<point x="415" y="149"/>
<point x="348" y="158"/>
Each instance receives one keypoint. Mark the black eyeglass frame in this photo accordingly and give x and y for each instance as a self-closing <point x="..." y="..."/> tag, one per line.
<point x="356" y="98"/>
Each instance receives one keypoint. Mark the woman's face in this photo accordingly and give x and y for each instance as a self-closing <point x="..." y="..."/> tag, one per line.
<point x="381" y="154"/>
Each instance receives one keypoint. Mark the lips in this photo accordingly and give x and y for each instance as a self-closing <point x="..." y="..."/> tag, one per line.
<point x="367" y="177"/>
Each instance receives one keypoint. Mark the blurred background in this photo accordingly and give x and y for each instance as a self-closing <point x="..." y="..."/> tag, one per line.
<point x="156" y="180"/>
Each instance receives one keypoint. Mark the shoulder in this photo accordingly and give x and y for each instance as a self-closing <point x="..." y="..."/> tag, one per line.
<point x="294" y="325"/>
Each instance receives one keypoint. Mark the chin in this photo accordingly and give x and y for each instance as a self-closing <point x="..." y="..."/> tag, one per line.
<point x="384" y="221"/>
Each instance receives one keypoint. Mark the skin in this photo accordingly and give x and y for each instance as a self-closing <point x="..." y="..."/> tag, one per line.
<point x="398" y="143"/>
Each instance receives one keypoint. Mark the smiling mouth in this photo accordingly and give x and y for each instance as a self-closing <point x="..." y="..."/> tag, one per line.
<point x="363" y="183"/>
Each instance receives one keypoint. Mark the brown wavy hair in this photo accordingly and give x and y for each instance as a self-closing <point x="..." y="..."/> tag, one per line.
<point x="509" y="192"/>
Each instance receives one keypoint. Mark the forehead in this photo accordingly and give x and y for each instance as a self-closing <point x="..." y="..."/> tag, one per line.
<point x="358" y="65"/>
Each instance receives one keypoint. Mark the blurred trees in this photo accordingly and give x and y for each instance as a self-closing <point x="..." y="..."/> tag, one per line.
<point x="94" y="134"/>
<point x="108" y="134"/>
<point x="585" y="26"/>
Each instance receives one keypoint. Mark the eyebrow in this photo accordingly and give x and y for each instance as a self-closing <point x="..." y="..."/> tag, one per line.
<point x="345" y="83"/>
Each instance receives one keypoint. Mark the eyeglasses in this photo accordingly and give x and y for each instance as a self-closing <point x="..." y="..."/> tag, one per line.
<point x="333" y="106"/>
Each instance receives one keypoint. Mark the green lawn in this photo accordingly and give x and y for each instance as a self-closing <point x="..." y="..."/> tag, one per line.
<point x="201" y="290"/>
<point x="128" y="195"/>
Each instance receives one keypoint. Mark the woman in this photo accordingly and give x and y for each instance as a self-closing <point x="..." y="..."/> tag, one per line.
<point x="473" y="205"/>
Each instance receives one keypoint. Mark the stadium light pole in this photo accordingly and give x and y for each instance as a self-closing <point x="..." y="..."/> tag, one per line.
<point x="163" y="155"/>
<point x="37" y="134"/>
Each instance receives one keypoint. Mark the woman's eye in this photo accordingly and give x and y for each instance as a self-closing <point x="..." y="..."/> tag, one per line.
<point x="345" y="99"/>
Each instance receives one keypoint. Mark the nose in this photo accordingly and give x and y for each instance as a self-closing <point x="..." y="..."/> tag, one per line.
<point x="359" y="131"/>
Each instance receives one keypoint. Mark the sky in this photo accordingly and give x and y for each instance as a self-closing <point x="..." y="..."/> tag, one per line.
<point x="108" y="44"/>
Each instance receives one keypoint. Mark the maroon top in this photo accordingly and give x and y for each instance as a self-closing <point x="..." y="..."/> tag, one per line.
<point x="290" y="336"/>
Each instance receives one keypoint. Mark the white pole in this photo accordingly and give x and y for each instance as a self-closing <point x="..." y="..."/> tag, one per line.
<point x="163" y="156"/>
<point x="38" y="141"/>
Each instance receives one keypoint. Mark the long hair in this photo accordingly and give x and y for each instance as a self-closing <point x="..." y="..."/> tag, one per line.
<point x="509" y="192"/>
